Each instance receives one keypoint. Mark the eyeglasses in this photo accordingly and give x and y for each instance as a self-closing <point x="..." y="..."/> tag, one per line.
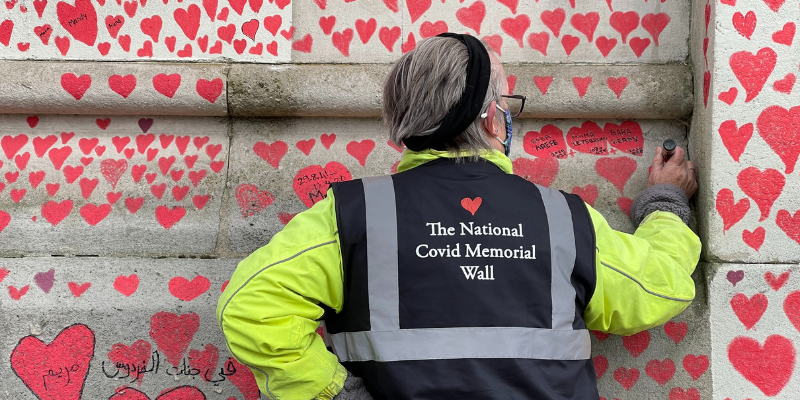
<point x="516" y="103"/>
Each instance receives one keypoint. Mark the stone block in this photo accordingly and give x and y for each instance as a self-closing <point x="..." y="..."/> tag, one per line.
<point x="268" y="154"/>
<point x="113" y="88"/>
<point x="755" y="330"/>
<point x="553" y="31"/>
<point x="666" y="362"/>
<point x="554" y="91"/>
<point x="349" y="32"/>
<point x="141" y="30"/>
<point x="92" y="327"/>
<point x="111" y="185"/>
<point x="749" y="198"/>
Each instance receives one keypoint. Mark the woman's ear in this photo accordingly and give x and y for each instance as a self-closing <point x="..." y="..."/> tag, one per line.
<point x="488" y="122"/>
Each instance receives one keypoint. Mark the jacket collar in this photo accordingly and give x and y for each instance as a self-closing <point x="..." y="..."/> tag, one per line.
<point x="413" y="159"/>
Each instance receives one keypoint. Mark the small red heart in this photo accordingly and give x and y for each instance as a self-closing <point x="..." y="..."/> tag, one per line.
<point x="471" y="205"/>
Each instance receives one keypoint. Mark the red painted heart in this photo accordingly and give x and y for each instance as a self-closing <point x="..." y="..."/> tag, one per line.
<point x="173" y="333"/>
<point x="547" y="143"/>
<point x="56" y="370"/>
<point x="251" y="200"/>
<point x="768" y="367"/>
<point x="311" y="183"/>
<point x="763" y="187"/>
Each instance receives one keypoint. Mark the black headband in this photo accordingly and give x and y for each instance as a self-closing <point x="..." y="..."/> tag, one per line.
<point x="468" y="107"/>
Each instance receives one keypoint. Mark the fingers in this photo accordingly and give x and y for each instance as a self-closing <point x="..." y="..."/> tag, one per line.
<point x="678" y="157"/>
<point x="658" y="160"/>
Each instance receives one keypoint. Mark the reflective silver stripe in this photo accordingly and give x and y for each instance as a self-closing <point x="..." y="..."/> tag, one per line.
<point x="384" y="295"/>
<point x="562" y="257"/>
<point x="457" y="343"/>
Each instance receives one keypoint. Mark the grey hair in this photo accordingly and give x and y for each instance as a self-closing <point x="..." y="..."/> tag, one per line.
<point x="423" y="85"/>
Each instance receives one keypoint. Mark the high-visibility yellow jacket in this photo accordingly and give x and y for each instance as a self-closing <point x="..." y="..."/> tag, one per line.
<point x="270" y="309"/>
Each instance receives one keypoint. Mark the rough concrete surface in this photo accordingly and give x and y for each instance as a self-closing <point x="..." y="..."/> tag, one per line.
<point x="153" y="328"/>
<point x="553" y="91"/>
<point x="750" y="199"/>
<point x="154" y="318"/>
<point x="755" y="330"/>
<point x="118" y="89"/>
<point x="111" y="185"/>
<point x="270" y="159"/>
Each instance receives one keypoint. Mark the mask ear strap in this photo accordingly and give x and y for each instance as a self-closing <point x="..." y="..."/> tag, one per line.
<point x="489" y="119"/>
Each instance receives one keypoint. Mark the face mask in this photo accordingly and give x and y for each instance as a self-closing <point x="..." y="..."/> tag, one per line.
<point x="509" y="132"/>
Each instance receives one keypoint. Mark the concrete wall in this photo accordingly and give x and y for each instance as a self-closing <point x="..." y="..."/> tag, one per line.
<point x="148" y="146"/>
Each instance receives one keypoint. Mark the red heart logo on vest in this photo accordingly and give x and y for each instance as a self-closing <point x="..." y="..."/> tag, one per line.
<point x="471" y="205"/>
<point x="59" y="367"/>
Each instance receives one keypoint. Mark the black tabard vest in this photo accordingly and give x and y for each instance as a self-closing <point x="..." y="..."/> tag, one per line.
<point x="464" y="282"/>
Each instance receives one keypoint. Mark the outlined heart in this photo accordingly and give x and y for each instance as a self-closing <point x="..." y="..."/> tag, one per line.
<point x="56" y="370"/>
<point x="768" y="367"/>
<point x="251" y="200"/>
<point x="471" y="205"/>
<point x="177" y="393"/>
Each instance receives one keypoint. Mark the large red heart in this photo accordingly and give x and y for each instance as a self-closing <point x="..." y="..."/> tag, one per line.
<point x="627" y="137"/>
<point x="769" y="367"/>
<point x="55" y="212"/>
<point x="472" y="16"/>
<point x="167" y="84"/>
<point x="780" y="128"/>
<point x="547" y="143"/>
<point x="341" y="41"/>
<point x="173" y="333"/>
<point x="57" y="370"/>
<point x="730" y="211"/>
<point x="416" y="8"/>
<point x="122" y="85"/>
<point x="136" y="357"/>
<point x="79" y="20"/>
<point x="516" y="27"/>
<point x="749" y="310"/>
<point x="542" y="170"/>
<point x="617" y="170"/>
<point x="589" y="138"/>
<point x="655" y="24"/>
<point x="178" y="393"/>
<point x="209" y="90"/>
<point x="763" y="187"/>
<point x="311" y="183"/>
<point x="753" y="70"/>
<point x="586" y="23"/>
<point x="12" y="144"/>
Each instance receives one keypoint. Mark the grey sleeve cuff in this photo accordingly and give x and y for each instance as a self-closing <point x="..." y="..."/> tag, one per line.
<point x="353" y="389"/>
<point x="663" y="197"/>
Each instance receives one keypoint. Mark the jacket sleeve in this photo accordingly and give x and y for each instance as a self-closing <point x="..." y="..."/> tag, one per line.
<point x="643" y="279"/>
<point x="269" y="310"/>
